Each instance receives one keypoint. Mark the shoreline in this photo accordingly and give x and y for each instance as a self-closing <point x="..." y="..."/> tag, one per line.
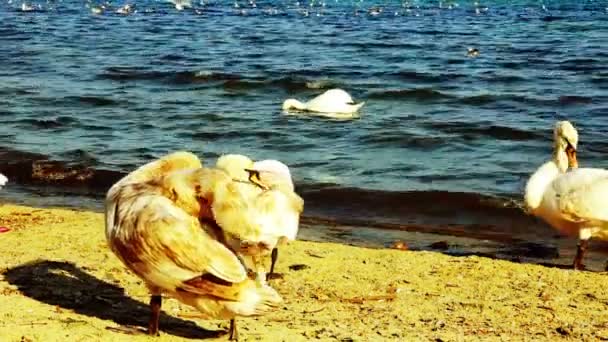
<point x="61" y="282"/>
<point x="467" y="230"/>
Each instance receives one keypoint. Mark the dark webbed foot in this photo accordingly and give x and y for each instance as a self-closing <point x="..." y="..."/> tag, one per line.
<point x="271" y="276"/>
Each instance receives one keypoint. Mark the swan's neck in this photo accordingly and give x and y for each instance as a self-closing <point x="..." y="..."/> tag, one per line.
<point x="293" y="104"/>
<point x="538" y="183"/>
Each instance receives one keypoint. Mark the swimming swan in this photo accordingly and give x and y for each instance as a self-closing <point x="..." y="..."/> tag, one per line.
<point x="160" y="224"/>
<point x="335" y="101"/>
<point x="3" y="180"/>
<point x="573" y="202"/>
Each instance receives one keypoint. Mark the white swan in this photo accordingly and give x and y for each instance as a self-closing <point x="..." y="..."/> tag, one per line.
<point x="27" y="8"/>
<point x="274" y="204"/>
<point x="572" y="202"/>
<point x="3" y="180"/>
<point x="180" y="5"/>
<point x="333" y="101"/>
<point x="160" y="224"/>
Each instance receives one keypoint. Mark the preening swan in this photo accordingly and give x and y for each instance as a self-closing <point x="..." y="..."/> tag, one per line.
<point x="160" y="223"/>
<point x="274" y="203"/>
<point x="573" y="202"/>
<point x="3" y="180"/>
<point x="333" y="101"/>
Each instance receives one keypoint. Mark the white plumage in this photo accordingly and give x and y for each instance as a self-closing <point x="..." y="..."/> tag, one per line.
<point x="3" y="180"/>
<point x="273" y="205"/>
<point x="573" y="202"/>
<point x="333" y="101"/>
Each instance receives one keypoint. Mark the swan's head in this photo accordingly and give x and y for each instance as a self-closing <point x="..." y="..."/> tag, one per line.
<point x="566" y="142"/>
<point x="293" y="104"/>
<point x="235" y="165"/>
<point x="274" y="173"/>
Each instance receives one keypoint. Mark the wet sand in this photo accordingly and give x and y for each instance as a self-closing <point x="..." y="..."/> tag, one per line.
<point x="61" y="283"/>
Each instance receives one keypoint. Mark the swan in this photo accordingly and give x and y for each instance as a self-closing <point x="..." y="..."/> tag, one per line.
<point x="333" y="101"/>
<point x="160" y="224"/>
<point x="180" y="5"/>
<point x="27" y="8"/>
<point x="3" y="180"/>
<point x="573" y="202"/>
<point x="275" y="205"/>
<point x="126" y="9"/>
<point x="277" y="176"/>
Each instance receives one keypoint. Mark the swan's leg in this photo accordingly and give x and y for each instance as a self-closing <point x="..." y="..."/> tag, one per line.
<point x="580" y="253"/>
<point x="273" y="259"/>
<point x="234" y="333"/>
<point x="155" y="304"/>
<point x="583" y="236"/>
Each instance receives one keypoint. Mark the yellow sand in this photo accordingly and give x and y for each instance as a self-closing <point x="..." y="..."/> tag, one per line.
<point x="60" y="282"/>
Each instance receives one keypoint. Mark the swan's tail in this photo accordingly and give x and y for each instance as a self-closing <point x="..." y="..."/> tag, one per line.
<point x="358" y="106"/>
<point x="258" y="300"/>
<point x="244" y="299"/>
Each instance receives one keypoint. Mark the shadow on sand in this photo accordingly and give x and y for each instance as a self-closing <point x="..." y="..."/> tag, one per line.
<point x="67" y="286"/>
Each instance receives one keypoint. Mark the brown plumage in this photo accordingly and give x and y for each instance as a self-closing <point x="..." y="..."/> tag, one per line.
<point x="160" y="223"/>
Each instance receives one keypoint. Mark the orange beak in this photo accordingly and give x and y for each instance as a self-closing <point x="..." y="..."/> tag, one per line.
<point x="571" y="153"/>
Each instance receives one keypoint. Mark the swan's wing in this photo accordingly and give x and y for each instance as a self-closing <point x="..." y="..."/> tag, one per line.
<point x="181" y="160"/>
<point x="334" y="100"/>
<point x="234" y="165"/>
<point x="246" y="212"/>
<point x="171" y="244"/>
<point x="581" y="195"/>
<point x="234" y="212"/>
<point x="278" y="214"/>
<point x="339" y="95"/>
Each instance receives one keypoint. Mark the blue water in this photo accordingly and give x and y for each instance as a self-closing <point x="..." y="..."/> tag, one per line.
<point x="112" y="91"/>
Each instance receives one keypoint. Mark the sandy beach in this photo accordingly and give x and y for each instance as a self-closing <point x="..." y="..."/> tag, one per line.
<point x="60" y="282"/>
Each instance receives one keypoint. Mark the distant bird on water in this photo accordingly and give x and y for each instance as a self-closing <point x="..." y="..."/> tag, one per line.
<point x="126" y="9"/>
<point x="472" y="52"/>
<point x="27" y="8"/>
<point x="181" y="4"/>
<point x="573" y="202"/>
<point x="3" y="180"/>
<point x="160" y="223"/>
<point x="333" y="101"/>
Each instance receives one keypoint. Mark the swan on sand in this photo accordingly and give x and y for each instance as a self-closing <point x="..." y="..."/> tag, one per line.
<point x="573" y="202"/>
<point x="166" y="221"/>
<point x="334" y="102"/>
<point x="274" y="229"/>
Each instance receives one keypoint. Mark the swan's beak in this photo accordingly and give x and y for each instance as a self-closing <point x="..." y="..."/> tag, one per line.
<point x="254" y="177"/>
<point x="571" y="153"/>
